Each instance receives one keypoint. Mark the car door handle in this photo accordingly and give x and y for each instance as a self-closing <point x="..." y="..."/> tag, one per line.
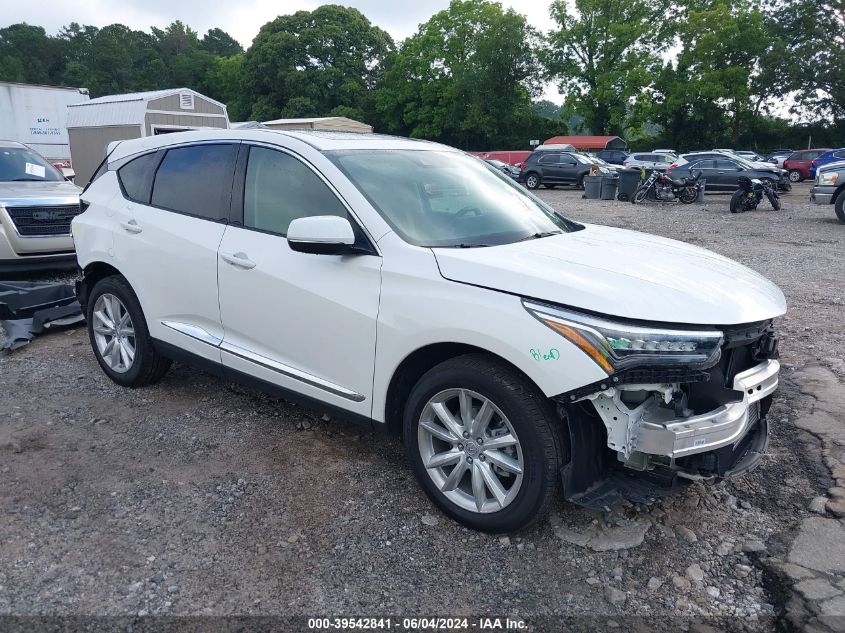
<point x="131" y="226"/>
<point x="238" y="259"/>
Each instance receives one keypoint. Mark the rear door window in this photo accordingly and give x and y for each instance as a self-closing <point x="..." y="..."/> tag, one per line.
<point x="196" y="180"/>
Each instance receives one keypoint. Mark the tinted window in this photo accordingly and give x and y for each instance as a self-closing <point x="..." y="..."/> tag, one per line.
<point x="196" y="180"/>
<point x="839" y="154"/>
<point x="704" y="164"/>
<point x="137" y="175"/>
<point x="549" y="159"/>
<point x="568" y="159"/>
<point x="723" y="163"/>
<point x="280" y="189"/>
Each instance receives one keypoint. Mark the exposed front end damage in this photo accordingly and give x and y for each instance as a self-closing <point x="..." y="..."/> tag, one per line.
<point x="656" y="429"/>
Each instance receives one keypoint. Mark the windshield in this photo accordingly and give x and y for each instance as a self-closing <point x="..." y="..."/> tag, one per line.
<point x="436" y="198"/>
<point x="22" y="164"/>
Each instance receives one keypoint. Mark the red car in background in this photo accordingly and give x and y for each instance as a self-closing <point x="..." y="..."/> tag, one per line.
<point x="798" y="164"/>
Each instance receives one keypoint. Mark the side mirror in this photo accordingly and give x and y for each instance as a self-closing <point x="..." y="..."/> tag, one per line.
<point x="321" y="235"/>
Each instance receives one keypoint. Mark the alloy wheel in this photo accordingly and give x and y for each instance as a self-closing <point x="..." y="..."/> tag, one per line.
<point x="470" y="450"/>
<point x="114" y="333"/>
<point x="795" y="176"/>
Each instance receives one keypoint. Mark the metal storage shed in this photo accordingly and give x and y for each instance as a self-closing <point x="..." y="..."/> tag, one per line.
<point x="335" y="123"/>
<point x="94" y="124"/>
<point x="589" y="142"/>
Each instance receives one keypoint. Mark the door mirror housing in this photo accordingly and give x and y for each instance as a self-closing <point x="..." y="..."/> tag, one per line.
<point x="321" y="235"/>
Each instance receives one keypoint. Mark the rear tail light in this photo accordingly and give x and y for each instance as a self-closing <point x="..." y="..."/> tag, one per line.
<point x="815" y="162"/>
<point x="624" y="163"/>
<point x="671" y="167"/>
<point x="521" y="165"/>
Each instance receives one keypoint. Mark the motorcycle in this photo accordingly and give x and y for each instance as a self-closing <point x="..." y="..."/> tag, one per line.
<point x="750" y="193"/>
<point x="665" y="189"/>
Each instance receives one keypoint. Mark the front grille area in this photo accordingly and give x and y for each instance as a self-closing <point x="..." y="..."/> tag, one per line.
<point x="53" y="220"/>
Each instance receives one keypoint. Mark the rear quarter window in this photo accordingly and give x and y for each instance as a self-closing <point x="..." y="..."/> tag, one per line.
<point x="136" y="177"/>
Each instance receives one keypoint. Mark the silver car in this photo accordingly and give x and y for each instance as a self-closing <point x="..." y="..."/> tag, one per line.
<point x="37" y="205"/>
<point x="650" y="160"/>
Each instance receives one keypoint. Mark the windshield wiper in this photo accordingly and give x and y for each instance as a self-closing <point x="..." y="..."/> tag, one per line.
<point x="536" y="236"/>
<point x="462" y="245"/>
<point x="27" y="180"/>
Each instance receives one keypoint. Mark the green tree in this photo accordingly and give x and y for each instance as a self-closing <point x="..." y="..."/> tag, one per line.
<point x="28" y="55"/>
<point x="465" y="78"/>
<point x="603" y="55"/>
<point x="314" y="61"/>
<point x="714" y="89"/>
<point x="220" y="44"/>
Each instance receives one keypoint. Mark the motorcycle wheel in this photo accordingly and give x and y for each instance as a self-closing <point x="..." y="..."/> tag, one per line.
<point x="774" y="199"/>
<point x="639" y="195"/>
<point x="737" y="203"/>
<point x="688" y="195"/>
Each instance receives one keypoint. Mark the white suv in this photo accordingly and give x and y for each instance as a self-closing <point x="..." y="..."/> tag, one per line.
<point x="414" y="289"/>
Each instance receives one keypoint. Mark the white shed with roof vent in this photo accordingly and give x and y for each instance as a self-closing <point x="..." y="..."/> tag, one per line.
<point x="101" y="121"/>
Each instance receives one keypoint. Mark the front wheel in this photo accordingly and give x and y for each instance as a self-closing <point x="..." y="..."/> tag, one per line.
<point x="532" y="181"/>
<point x="484" y="443"/>
<point x="774" y="199"/>
<point x="839" y="206"/>
<point x="639" y="195"/>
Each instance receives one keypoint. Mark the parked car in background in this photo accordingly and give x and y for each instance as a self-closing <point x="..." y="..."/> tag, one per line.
<point x="831" y="156"/>
<point x="664" y="151"/>
<point x="829" y="187"/>
<point x="551" y="168"/>
<point x="509" y="346"/>
<point x="613" y="156"/>
<point x="777" y="176"/>
<point x="749" y="155"/>
<point x="778" y="156"/>
<point x="722" y="172"/>
<point x="649" y="160"/>
<point x="798" y="164"/>
<point x="37" y="205"/>
<point x="609" y="167"/>
<point x="503" y="167"/>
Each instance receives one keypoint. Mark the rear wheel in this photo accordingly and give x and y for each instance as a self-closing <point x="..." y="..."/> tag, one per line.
<point x="738" y="201"/>
<point x="688" y="195"/>
<point x="484" y="443"/>
<point x="795" y="176"/>
<point x="119" y="337"/>
<point x="532" y="180"/>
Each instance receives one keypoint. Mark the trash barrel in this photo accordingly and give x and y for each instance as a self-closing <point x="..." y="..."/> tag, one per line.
<point x="703" y="183"/>
<point x="608" y="187"/>
<point x="629" y="180"/>
<point x="592" y="187"/>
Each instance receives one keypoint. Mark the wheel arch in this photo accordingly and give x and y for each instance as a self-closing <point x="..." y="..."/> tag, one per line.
<point x="840" y="191"/>
<point x="417" y="363"/>
<point x="91" y="274"/>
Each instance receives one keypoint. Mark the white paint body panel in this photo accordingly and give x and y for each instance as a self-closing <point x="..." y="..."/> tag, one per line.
<point x="350" y="321"/>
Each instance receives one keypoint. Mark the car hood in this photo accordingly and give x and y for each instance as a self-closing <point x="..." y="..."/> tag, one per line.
<point x="620" y="273"/>
<point x="11" y="191"/>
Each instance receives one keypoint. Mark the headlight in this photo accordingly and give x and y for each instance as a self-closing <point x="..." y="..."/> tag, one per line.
<point x="615" y="346"/>
<point x="828" y="178"/>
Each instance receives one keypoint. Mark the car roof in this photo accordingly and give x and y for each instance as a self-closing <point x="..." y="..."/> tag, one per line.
<point x="12" y="144"/>
<point x="321" y="140"/>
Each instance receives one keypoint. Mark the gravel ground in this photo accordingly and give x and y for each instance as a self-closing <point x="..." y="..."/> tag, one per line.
<point x="195" y="497"/>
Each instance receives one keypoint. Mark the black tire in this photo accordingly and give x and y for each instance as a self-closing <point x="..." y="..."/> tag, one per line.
<point x="795" y="176"/>
<point x="688" y="195"/>
<point x="774" y="199"/>
<point x="737" y="205"/>
<point x="532" y="180"/>
<point x="839" y="206"/>
<point x="533" y="419"/>
<point x="148" y="366"/>
<point x="640" y="195"/>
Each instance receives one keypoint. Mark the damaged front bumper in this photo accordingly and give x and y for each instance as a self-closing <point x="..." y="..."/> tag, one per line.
<point x="680" y="437"/>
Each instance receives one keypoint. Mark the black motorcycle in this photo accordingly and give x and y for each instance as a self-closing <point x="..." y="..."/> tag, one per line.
<point x="658" y="186"/>
<point x="750" y="193"/>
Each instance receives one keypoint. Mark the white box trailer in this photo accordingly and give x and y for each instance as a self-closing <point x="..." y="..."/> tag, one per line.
<point x="37" y="117"/>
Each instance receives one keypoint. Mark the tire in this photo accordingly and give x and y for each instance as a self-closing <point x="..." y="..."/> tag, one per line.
<point x="146" y="365"/>
<point x="639" y="195"/>
<point x="795" y="176"/>
<point x="770" y="182"/>
<point x="519" y="410"/>
<point x="774" y="199"/>
<point x="839" y="206"/>
<point x="736" y="201"/>
<point x="688" y="195"/>
<point x="532" y="180"/>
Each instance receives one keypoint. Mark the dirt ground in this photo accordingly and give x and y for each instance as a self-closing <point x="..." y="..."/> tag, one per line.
<point x="195" y="497"/>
